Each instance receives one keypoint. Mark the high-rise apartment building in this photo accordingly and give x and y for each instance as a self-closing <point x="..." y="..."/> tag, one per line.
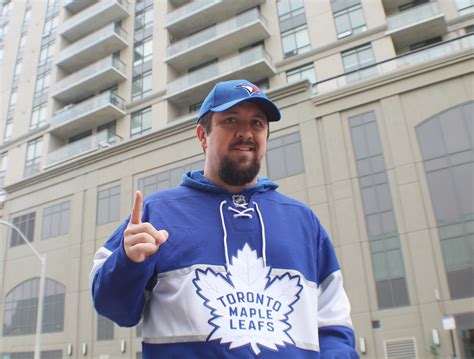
<point x="99" y="99"/>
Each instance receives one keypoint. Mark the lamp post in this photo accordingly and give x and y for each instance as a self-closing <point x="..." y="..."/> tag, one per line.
<point x="39" y="313"/>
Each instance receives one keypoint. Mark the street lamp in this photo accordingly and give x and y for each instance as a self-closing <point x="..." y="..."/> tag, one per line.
<point x="39" y="316"/>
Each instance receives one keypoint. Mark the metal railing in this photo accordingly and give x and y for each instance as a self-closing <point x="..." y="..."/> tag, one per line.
<point x="413" y="15"/>
<point x="101" y="139"/>
<point x="187" y="9"/>
<point x="71" y="112"/>
<point x="218" y="69"/>
<point x="217" y="30"/>
<point x="396" y="63"/>
<point x="88" y="71"/>
<point x="86" y="41"/>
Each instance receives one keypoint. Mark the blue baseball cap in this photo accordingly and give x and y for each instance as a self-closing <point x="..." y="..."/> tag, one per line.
<point x="226" y="94"/>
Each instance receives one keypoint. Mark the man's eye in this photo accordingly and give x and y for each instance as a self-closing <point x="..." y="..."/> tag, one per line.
<point x="231" y="120"/>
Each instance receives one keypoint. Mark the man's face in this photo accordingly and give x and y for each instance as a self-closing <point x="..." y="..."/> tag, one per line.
<point x="236" y="144"/>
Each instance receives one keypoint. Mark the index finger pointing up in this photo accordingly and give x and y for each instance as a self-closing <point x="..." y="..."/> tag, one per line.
<point x="136" y="216"/>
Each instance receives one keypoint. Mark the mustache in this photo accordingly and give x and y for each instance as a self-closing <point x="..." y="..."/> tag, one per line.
<point x="249" y="144"/>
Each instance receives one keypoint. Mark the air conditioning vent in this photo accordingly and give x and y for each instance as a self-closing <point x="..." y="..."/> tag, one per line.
<point x="400" y="349"/>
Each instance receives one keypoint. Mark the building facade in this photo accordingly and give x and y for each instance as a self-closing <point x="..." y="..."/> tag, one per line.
<point x="99" y="99"/>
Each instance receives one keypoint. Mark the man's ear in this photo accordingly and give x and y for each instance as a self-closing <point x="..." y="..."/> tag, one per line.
<point x="201" y="135"/>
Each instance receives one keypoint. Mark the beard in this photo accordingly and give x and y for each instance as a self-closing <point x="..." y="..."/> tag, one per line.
<point x="234" y="174"/>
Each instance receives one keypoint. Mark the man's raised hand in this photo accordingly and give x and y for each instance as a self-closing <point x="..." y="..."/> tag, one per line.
<point x="141" y="240"/>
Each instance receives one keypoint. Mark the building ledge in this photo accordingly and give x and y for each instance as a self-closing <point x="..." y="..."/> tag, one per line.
<point x="22" y="138"/>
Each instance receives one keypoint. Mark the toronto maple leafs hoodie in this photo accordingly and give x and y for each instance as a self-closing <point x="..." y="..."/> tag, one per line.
<point x="241" y="275"/>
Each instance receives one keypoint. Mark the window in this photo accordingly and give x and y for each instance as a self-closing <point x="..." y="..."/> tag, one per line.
<point x="39" y="115"/>
<point x="295" y="41"/>
<point x="357" y="58"/>
<point x="46" y="53"/>
<point x="42" y="83"/>
<point x="33" y="157"/>
<point x="107" y="133"/>
<point x="143" y="51"/>
<point x="285" y="156"/>
<point x="26" y="224"/>
<point x="144" y="18"/>
<point x="195" y="107"/>
<point x="141" y="85"/>
<point x="465" y="6"/>
<point x="140" y="122"/>
<point x="55" y="220"/>
<point x="8" y="129"/>
<point x="166" y="179"/>
<point x="3" y="167"/>
<point x="428" y="42"/>
<point x="108" y="205"/>
<point x="289" y="8"/>
<point x="303" y="72"/>
<point x="50" y="25"/>
<point x="105" y="328"/>
<point x="384" y="240"/>
<point x="469" y="29"/>
<point x="263" y="84"/>
<point x="446" y="146"/>
<point x="348" y="17"/>
<point x="21" y="305"/>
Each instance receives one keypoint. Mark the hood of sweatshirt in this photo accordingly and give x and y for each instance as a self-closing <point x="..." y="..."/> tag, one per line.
<point x="196" y="179"/>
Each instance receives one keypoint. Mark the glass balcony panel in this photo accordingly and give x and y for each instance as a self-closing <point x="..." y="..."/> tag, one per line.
<point x="93" y="18"/>
<point x="413" y="15"/>
<point x="398" y="63"/>
<point x="75" y="112"/>
<point x="88" y="144"/>
<point x="185" y="10"/>
<point x="93" y="47"/>
<point x="74" y="6"/>
<point x="219" y="29"/>
<point x="218" y="69"/>
<point x="93" y="78"/>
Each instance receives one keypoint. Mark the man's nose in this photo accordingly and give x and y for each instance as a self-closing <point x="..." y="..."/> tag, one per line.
<point x="244" y="131"/>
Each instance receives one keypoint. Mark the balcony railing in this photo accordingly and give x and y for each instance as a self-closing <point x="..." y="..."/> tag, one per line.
<point x="80" y="147"/>
<point x="397" y="63"/>
<point x="84" y="45"/>
<point x="187" y="9"/>
<point x="218" y="69"/>
<point x="72" y="112"/>
<point x="93" y="17"/>
<point x="413" y="16"/>
<point x="216" y="30"/>
<point x="89" y="71"/>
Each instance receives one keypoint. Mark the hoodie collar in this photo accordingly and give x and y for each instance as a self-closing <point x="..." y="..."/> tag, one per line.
<point x="196" y="179"/>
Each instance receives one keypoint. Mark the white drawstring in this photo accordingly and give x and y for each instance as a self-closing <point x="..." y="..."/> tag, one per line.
<point x="264" y="240"/>
<point x="243" y="214"/>
<point x="225" y="236"/>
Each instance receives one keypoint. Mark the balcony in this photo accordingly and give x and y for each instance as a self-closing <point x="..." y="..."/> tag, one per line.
<point x="220" y="39"/>
<point x="254" y="64"/>
<point x="91" y="79"/>
<point x="93" y="112"/>
<point x="102" y="139"/>
<point x="93" y="18"/>
<point x="416" y="24"/>
<point x="398" y="63"/>
<point x="199" y="14"/>
<point x="74" y="6"/>
<point x="93" y="47"/>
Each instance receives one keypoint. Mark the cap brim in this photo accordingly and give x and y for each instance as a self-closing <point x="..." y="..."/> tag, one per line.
<point x="267" y="106"/>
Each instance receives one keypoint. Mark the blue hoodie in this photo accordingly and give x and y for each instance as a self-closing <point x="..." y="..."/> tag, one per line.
<point x="241" y="275"/>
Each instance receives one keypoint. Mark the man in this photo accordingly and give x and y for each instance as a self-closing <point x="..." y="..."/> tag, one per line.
<point x="224" y="266"/>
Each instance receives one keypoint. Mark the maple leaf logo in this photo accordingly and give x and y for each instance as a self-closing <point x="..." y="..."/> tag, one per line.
<point x="247" y="306"/>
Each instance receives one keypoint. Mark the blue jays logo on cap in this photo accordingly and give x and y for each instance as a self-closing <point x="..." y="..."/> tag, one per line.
<point x="251" y="89"/>
<point x="227" y="94"/>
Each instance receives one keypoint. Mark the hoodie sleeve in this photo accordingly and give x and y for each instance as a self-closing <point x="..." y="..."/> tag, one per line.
<point x="336" y="336"/>
<point x="118" y="284"/>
